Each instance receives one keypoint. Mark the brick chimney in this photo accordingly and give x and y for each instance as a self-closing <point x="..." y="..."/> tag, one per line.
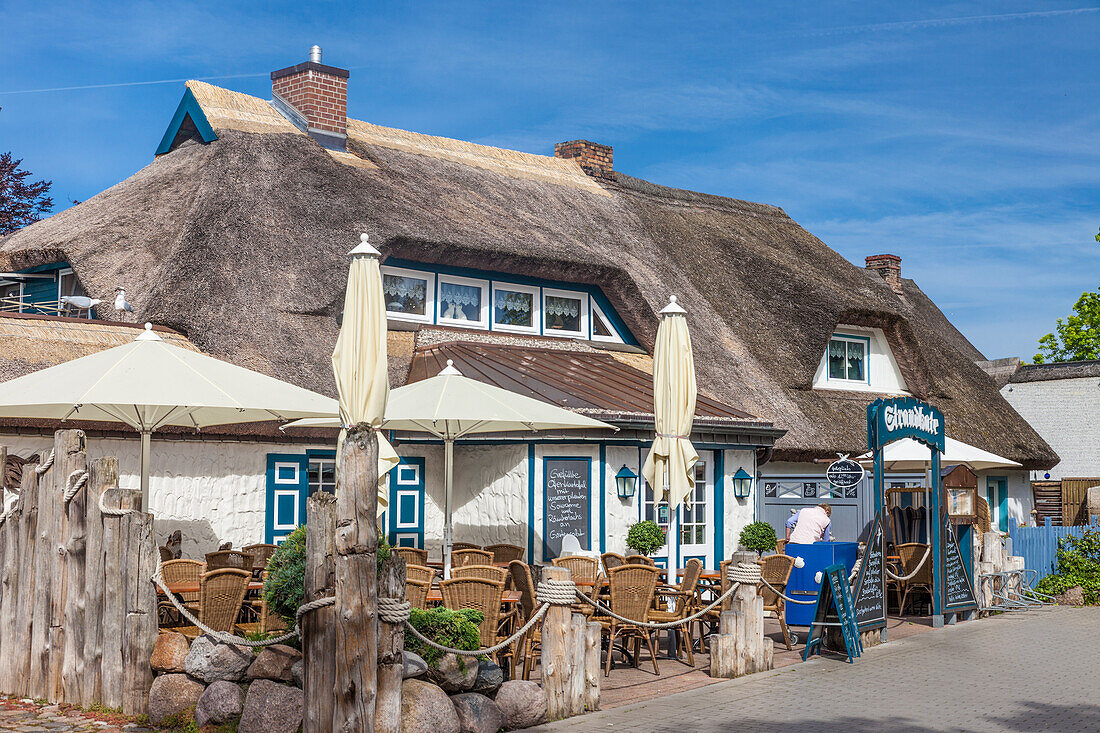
<point x="889" y="267"/>
<point x="594" y="159"/>
<point x="317" y="95"/>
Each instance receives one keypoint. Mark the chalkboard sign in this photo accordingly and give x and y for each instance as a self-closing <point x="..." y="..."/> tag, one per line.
<point x="869" y="598"/>
<point x="845" y="473"/>
<point x="834" y="609"/>
<point x="567" y="500"/>
<point x="958" y="593"/>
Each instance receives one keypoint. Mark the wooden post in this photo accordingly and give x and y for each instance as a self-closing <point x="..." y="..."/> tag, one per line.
<point x="319" y="627"/>
<point x="391" y="650"/>
<point x="74" y="616"/>
<point x="114" y="602"/>
<point x="102" y="475"/>
<point x="578" y="631"/>
<point x="556" y="652"/>
<point x="69" y="458"/>
<point x="357" y="583"/>
<point x="592" y="676"/>
<point x="749" y="630"/>
<point x="12" y="650"/>
<point x="22" y="625"/>
<point x="723" y="645"/>
<point x="140" y="624"/>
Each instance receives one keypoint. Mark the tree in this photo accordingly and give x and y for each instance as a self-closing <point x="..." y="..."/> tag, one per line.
<point x="1076" y="337"/>
<point x="21" y="202"/>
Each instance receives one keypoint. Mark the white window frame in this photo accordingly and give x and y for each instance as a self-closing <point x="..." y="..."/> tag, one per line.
<point x="429" y="294"/>
<point x="483" y="322"/>
<point x="584" y="332"/>
<point x="847" y="338"/>
<point x="321" y="462"/>
<point x="60" y="277"/>
<point x="598" y="312"/>
<point x="536" y="308"/>
<point x="6" y="283"/>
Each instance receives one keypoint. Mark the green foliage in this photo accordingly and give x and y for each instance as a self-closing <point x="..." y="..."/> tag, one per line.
<point x="758" y="536"/>
<point x="456" y="629"/>
<point x="284" y="587"/>
<point x="1076" y="337"/>
<point x="645" y="537"/>
<point x="1078" y="564"/>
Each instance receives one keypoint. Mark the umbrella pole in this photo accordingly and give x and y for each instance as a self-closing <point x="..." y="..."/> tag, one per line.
<point x="146" y="448"/>
<point x="448" y="530"/>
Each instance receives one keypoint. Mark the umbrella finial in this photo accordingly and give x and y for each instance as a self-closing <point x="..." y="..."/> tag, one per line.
<point x="673" y="308"/>
<point x="148" y="334"/>
<point x="449" y="369"/>
<point x="364" y="247"/>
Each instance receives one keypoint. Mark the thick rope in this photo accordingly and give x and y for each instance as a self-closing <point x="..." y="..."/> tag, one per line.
<point x="110" y="512"/>
<point x="913" y="574"/>
<point x="664" y="624"/>
<point x="393" y="611"/>
<point x="41" y="468"/>
<point x="76" y="479"/>
<point x="787" y="598"/>
<point x="535" y="617"/>
<point x="556" y="592"/>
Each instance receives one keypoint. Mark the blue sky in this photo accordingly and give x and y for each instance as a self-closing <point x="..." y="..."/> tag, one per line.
<point x="964" y="137"/>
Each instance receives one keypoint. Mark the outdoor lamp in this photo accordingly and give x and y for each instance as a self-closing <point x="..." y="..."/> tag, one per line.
<point x="626" y="482"/>
<point x="742" y="482"/>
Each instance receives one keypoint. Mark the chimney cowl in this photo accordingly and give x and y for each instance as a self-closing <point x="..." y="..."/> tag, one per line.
<point x="315" y="53"/>
<point x="594" y="159"/>
<point x="888" y="267"/>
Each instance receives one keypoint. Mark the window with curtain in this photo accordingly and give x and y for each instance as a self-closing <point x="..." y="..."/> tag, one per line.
<point x="562" y="313"/>
<point x="848" y="359"/>
<point x="514" y="308"/>
<point x="458" y="302"/>
<point x="405" y="295"/>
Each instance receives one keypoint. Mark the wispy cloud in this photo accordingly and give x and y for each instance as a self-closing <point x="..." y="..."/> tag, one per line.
<point x="919" y="24"/>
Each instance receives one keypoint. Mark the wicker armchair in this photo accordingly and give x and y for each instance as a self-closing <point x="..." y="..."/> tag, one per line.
<point x="470" y="557"/>
<point x="632" y="588"/>
<point x="712" y="616"/>
<point x="684" y="594"/>
<point x="487" y="572"/>
<point x="416" y="592"/>
<point x="582" y="569"/>
<point x="531" y="643"/>
<point x="481" y="595"/>
<point x="180" y="571"/>
<point x="912" y="553"/>
<point x="420" y="573"/>
<point x="776" y="569"/>
<point x="612" y="560"/>
<point x="464" y="546"/>
<point x="503" y="552"/>
<point x="260" y="555"/>
<point x="229" y="559"/>
<point x="639" y="560"/>
<point x="412" y="555"/>
<point x="220" y="598"/>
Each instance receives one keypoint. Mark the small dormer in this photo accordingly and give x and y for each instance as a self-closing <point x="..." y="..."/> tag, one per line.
<point x="858" y="359"/>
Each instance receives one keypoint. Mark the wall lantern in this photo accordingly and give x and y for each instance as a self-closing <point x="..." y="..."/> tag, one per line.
<point x="742" y="482"/>
<point x="626" y="482"/>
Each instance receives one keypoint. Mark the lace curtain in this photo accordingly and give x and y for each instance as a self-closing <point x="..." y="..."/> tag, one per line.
<point x="513" y="301"/>
<point x="567" y="307"/>
<point x="460" y="295"/>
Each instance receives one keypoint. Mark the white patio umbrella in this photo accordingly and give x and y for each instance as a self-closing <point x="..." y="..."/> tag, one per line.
<point x="671" y="460"/>
<point x="451" y="406"/>
<point x="149" y="384"/>
<point x="910" y="455"/>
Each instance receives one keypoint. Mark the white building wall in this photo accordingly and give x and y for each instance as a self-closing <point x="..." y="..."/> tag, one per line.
<point x="739" y="512"/>
<point x="1066" y="412"/>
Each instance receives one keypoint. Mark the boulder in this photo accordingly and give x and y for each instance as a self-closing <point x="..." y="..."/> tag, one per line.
<point x="220" y="703"/>
<point x="170" y="652"/>
<point x="477" y="713"/>
<point x="271" y="707"/>
<point x="454" y="673"/>
<point x="425" y="708"/>
<point x="523" y="703"/>
<point x="415" y="666"/>
<point x="297" y="670"/>
<point x="1074" y="596"/>
<point x="274" y="663"/>
<point x="211" y="660"/>
<point x="489" y="678"/>
<point x="172" y="694"/>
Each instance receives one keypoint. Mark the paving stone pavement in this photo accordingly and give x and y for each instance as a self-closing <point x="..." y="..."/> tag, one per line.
<point x="1033" y="671"/>
<point x="16" y="715"/>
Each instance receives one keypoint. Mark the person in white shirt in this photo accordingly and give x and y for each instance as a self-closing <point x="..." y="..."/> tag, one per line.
<point x="810" y="525"/>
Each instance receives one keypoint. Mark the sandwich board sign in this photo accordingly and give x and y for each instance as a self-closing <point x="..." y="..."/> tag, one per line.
<point x="869" y="597"/>
<point x="834" y="609"/>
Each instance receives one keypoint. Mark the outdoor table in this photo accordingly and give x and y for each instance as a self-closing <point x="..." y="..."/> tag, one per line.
<point x="178" y="588"/>
<point x="510" y="596"/>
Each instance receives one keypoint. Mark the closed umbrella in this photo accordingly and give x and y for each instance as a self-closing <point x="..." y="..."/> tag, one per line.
<point x="910" y="455"/>
<point x="671" y="461"/>
<point x="149" y="384"/>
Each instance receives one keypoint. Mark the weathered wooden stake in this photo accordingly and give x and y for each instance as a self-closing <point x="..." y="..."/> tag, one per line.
<point x="74" y="610"/>
<point x="22" y="624"/>
<point x="102" y="475"/>
<point x="357" y="583"/>
<point x="49" y="526"/>
<point x="723" y="646"/>
<point x="114" y="601"/>
<point x="578" y="632"/>
<point x="319" y="627"/>
<point x="556" y="652"/>
<point x="69" y="459"/>
<point x="592" y="675"/>
<point x="140" y="625"/>
<point x="391" y="648"/>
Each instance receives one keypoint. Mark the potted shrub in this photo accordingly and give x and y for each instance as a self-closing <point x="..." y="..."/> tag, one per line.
<point x="645" y="537"/>
<point x="758" y="536"/>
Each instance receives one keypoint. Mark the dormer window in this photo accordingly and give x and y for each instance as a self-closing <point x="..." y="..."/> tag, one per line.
<point x="515" y="308"/>
<point x="848" y="359"/>
<point x="564" y="313"/>
<point x="409" y="294"/>
<point x="463" y="302"/>
<point x="858" y="359"/>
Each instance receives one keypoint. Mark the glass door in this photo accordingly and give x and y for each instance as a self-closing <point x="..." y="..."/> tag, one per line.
<point x="696" y="529"/>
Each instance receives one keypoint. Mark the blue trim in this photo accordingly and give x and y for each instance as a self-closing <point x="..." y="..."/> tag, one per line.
<point x="393" y="510"/>
<point x="1000" y="488"/>
<point x="866" y="359"/>
<point x="719" y="506"/>
<point x="188" y="107"/>
<point x="271" y="535"/>
<point x="560" y="441"/>
<point x="588" y="515"/>
<point x="320" y="453"/>
<point x="531" y="502"/>
<point x="603" y="497"/>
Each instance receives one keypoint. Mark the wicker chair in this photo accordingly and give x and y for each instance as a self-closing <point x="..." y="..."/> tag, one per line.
<point x="260" y="555"/>
<point x="632" y="589"/>
<point x="582" y="569"/>
<point x="416" y="592"/>
<point x="781" y="547"/>
<point x="464" y="546"/>
<point x="229" y="559"/>
<point x="420" y="573"/>
<point x="412" y="555"/>
<point x="685" y="594"/>
<point x="470" y="557"/>
<point x="712" y="616"/>
<point x="638" y="560"/>
<point x="488" y="572"/>
<point x="504" y="552"/>
<point x="612" y="560"/>
<point x="180" y="571"/>
<point x="220" y="598"/>
<point x="481" y="595"/>
<point x="776" y="569"/>
<point x="531" y="643"/>
<point x="911" y="553"/>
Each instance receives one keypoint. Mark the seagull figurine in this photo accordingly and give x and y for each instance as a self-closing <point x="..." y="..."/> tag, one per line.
<point x="80" y="302"/>
<point x="120" y="301"/>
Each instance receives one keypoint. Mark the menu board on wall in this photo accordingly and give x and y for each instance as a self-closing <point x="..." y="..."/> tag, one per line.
<point x="958" y="593"/>
<point x="567" y="498"/>
<point x="869" y="598"/>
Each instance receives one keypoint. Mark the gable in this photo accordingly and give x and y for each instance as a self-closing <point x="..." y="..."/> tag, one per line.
<point x="188" y="123"/>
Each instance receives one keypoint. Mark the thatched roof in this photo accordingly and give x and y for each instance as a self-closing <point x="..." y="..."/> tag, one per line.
<point x="1059" y="370"/>
<point x="241" y="244"/>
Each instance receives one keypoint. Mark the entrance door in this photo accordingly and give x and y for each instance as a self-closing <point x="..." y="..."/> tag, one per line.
<point x="691" y="531"/>
<point x="997" y="495"/>
<point x="405" y="514"/>
<point x="287" y="489"/>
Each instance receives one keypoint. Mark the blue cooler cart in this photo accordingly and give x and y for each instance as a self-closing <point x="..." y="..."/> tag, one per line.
<point x="802" y="584"/>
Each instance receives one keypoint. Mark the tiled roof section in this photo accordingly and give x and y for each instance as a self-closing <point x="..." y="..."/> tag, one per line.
<point x="577" y="380"/>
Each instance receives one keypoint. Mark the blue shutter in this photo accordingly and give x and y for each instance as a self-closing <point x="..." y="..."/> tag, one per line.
<point x="406" y="510"/>
<point x="287" y="489"/>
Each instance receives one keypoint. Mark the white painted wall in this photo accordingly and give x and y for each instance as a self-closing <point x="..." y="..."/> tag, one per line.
<point x="1066" y="412"/>
<point x="739" y="512"/>
<point x="881" y="366"/>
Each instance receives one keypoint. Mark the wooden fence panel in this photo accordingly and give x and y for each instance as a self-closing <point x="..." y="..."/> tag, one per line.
<point x="1074" y="506"/>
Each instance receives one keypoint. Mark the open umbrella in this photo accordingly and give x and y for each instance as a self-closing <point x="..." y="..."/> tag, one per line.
<point x="910" y="455"/>
<point x="671" y="460"/>
<point x="451" y="406"/>
<point x="149" y="384"/>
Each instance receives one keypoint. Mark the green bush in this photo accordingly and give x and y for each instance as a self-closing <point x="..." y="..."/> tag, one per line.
<point x="1078" y="564"/>
<point x="758" y="536"/>
<point x="645" y="537"/>
<point x="456" y="629"/>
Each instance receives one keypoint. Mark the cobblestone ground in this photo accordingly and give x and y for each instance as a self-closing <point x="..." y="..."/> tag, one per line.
<point x="21" y="715"/>
<point x="1033" y="671"/>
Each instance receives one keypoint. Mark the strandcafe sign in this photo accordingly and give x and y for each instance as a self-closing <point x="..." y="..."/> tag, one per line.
<point x="904" y="417"/>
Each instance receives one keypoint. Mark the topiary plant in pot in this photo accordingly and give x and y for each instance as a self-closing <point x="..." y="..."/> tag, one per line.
<point x="645" y="537"/>
<point x="758" y="536"/>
